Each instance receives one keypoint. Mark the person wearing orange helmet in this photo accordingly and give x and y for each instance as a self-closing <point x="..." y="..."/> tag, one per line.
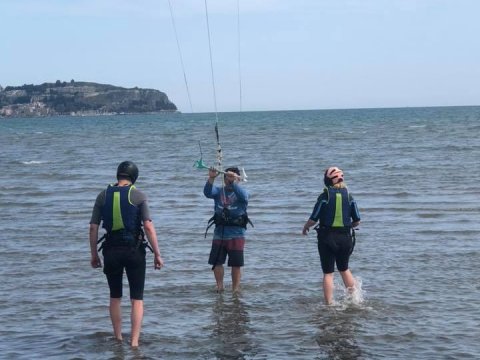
<point x="336" y="213"/>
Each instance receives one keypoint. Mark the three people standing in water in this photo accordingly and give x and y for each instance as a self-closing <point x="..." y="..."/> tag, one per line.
<point x="122" y="210"/>
<point x="337" y="214"/>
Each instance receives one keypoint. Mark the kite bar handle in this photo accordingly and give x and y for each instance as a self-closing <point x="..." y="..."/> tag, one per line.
<point x="199" y="164"/>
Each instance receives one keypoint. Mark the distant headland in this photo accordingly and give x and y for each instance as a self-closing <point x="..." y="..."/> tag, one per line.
<point x="80" y="99"/>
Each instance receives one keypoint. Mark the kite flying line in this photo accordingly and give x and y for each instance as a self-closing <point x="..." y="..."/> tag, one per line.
<point x="199" y="164"/>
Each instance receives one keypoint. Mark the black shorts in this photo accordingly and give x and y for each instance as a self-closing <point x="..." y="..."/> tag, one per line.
<point x="232" y="247"/>
<point x="334" y="247"/>
<point x="133" y="261"/>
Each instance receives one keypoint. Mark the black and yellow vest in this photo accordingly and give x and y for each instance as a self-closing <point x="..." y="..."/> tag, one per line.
<point x="121" y="218"/>
<point x="336" y="213"/>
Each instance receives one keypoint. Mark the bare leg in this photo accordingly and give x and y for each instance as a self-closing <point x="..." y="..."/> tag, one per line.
<point x="136" y="319"/>
<point x="219" y="272"/>
<point x="348" y="280"/>
<point x="116" y="317"/>
<point x="236" y="276"/>
<point x="328" y="288"/>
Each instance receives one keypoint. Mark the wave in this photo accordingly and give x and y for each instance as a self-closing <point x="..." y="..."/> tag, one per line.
<point x="417" y="126"/>
<point x="33" y="162"/>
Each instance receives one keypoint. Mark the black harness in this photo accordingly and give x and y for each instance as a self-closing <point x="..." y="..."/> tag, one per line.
<point x="225" y="219"/>
<point x="124" y="239"/>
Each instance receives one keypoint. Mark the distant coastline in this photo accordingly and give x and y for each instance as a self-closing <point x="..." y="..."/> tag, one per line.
<point x="80" y="99"/>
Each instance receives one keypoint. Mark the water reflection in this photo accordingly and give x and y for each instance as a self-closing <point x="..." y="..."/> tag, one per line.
<point x="102" y="345"/>
<point x="336" y="333"/>
<point x="230" y="332"/>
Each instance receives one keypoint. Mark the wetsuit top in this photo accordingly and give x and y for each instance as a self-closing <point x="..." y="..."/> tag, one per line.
<point x="335" y="208"/>
<point x="234" y="200"/>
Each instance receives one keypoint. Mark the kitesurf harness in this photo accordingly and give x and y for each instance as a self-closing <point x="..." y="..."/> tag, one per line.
<point x="121" y="220"/>
<point x="106" y="242"/>
<point x="223" y="218"/>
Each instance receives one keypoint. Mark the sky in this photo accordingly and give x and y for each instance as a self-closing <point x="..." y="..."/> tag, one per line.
<point x="265" y="54"/>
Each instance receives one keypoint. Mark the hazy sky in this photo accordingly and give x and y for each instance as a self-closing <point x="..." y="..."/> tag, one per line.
<point x="294" y="54"/>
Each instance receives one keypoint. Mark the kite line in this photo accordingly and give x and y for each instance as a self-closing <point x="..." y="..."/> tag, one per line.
<point x="199" y="164"/>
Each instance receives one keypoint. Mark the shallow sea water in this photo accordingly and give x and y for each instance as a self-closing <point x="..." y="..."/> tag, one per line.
<point x="414" y="172"/>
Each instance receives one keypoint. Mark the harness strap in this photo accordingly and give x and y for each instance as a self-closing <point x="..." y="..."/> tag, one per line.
<point x="220" y="220"/>
<point x="211" y="221"/>
<point x="145" y="242"/>
<point x="142" y="241"/>
<point x="354" y="240"/>
<point x="101" y="240"/>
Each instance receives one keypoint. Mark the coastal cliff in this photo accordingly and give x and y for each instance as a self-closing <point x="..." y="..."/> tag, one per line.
<point x="80" y="98"/>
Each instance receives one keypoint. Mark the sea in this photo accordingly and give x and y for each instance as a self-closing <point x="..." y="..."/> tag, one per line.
<point x="415" y="173"/>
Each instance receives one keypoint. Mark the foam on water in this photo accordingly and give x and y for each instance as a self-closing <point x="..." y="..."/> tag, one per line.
<point x="33" y="162"/>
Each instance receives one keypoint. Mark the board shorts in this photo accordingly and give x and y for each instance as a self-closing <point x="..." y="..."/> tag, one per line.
<point x="231" y="247"/>
<point x="118" y="258"/>
<point x="334" y="247"/>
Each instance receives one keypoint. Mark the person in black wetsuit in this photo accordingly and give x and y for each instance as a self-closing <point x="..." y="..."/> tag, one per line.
<point x="123" y="209"/>
<point x="337" y="214"/>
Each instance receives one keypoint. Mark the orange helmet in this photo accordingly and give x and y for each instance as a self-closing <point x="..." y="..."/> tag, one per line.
<point x="333" y="175"/>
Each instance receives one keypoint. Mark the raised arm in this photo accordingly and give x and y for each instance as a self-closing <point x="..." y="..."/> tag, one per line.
<point x="209" y="190"/>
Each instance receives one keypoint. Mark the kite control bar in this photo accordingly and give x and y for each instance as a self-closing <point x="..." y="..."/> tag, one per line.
<point x="199" y="164"/>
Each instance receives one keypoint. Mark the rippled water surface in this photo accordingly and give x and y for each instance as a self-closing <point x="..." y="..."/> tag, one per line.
<point x="414" y="172"/>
